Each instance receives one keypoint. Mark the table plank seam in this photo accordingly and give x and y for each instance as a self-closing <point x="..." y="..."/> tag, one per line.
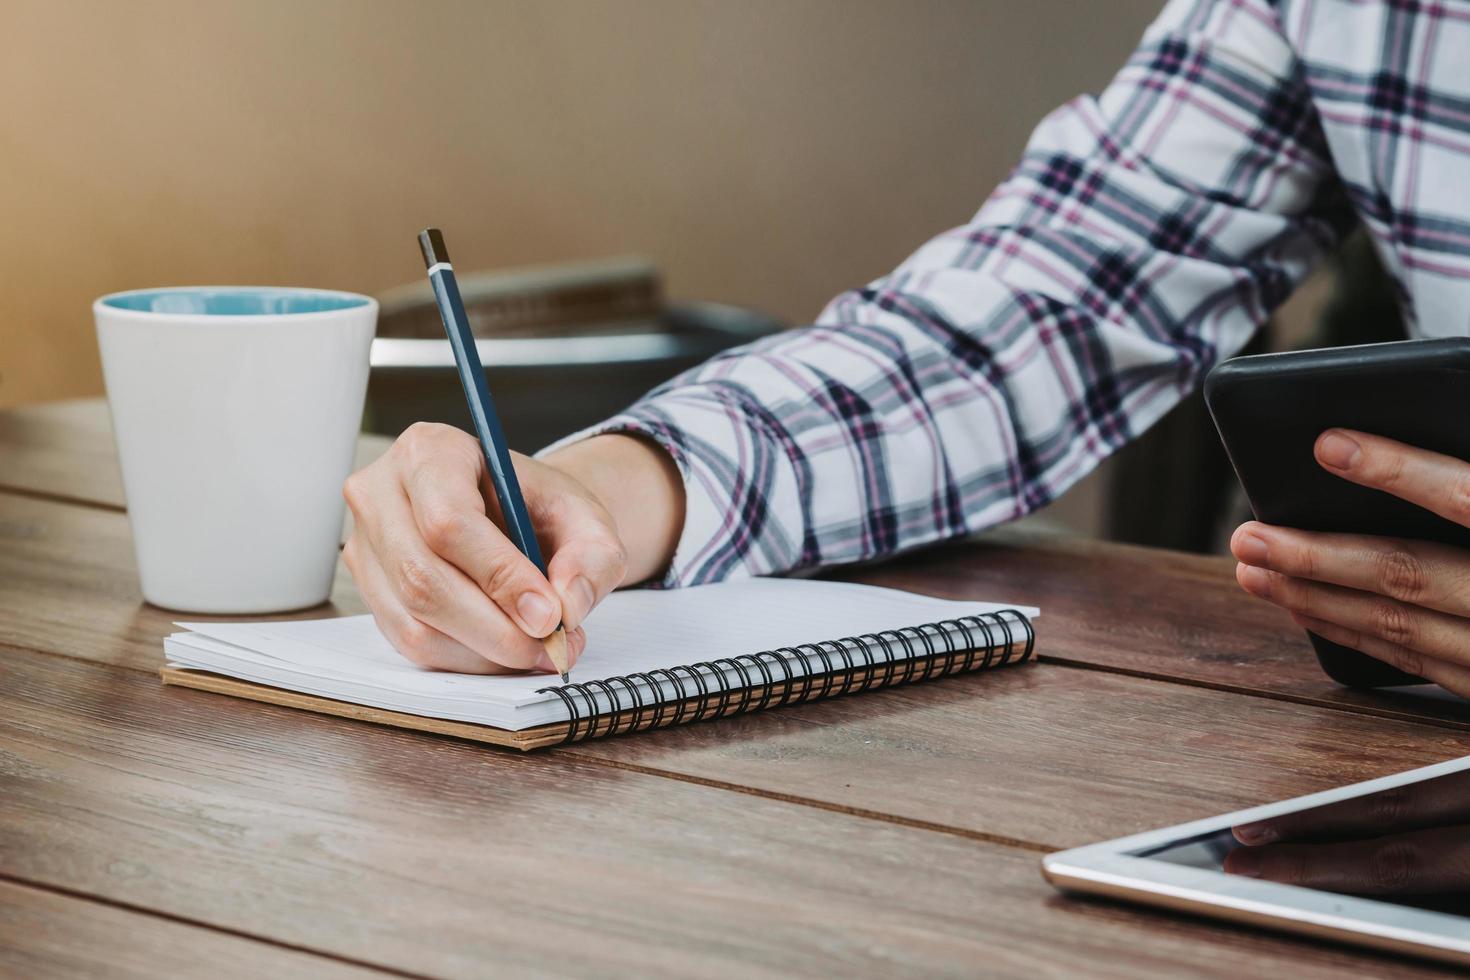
<point x="1001" y="840"/>
<point x="1055" y="661"/>
<point x="1354" y="709"/>
<point x="62" y="890"/>
<point x="51" y="496"/>
<point x="1332" y="704"/>
<point x="794" y="800"/>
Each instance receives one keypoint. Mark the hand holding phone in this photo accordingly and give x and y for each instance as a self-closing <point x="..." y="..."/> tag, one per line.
<point x="1405" y="603"/>
<point x="1354" y="460"/>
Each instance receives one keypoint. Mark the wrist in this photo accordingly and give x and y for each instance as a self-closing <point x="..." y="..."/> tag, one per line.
<point x="639" y="484"/>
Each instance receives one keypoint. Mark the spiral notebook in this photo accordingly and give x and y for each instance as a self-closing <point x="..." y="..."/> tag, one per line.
<point x="654" y="658"/>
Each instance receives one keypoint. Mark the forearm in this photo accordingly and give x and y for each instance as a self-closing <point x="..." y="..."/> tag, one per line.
<point x="640" y="486"/>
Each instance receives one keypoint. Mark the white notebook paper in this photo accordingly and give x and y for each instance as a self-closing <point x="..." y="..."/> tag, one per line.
<point x="633" y="632"/>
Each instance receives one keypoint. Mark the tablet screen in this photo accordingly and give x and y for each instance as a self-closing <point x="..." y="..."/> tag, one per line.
<point x="1409" y="845"/>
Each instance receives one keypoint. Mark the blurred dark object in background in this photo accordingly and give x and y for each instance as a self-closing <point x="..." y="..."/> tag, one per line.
<point x="1173" y="487"/>
<point x="563" y="346"/>
<point x="1364" y="308"/>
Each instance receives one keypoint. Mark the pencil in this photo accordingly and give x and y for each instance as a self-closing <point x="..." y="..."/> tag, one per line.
<point x="487" y="422"/>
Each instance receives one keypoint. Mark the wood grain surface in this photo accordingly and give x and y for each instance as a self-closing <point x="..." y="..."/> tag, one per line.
<point x="1140" y="610"/>
<point x="894" y="833"/>
<point x="61" y="449"/>
<point x="69" y="584"/>
<point x="45" y="934"/>
<point x="435" y="856"/>
<point x="1146" y="611"/>
<point x="945" y="753"/>
<point x="65" y="450"/>
<point x="1046" y="755"/>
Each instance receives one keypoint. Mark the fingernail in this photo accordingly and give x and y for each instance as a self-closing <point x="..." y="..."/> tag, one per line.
<point x="1244" y="862"/>
<point x="536" y="612"/>
<point x="582" y="597"/>
<point x="1254" y="580"/>
<point x="1251" y="549"/>
<point x="1338" y="451"/>
<point x="1254" y="833"/>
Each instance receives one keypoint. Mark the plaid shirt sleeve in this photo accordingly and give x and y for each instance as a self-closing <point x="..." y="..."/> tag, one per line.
<point x="1146" y="233"/>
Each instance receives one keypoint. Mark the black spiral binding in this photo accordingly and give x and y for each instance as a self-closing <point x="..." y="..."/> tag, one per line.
<point x="766" y="680"/>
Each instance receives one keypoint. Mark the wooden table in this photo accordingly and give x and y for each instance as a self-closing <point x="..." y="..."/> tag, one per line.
<point x="153" y="831"/>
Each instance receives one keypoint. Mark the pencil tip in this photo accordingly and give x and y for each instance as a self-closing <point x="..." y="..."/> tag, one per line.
<point x="566" y="677"/>
<point x="557" y="652"/>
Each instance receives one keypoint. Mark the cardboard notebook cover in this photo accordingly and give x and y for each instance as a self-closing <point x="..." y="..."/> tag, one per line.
<point x="525" y="740"/>
<point x="708" y="705"/>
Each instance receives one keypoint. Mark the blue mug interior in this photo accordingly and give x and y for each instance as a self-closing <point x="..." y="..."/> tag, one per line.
<point x="234" y="301"/>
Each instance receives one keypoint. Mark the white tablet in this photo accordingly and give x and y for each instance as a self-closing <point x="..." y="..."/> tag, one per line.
<point x="1384" y="863"/>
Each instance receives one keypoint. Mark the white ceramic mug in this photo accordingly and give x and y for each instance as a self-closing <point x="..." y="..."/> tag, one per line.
<point x="236" y="412"/>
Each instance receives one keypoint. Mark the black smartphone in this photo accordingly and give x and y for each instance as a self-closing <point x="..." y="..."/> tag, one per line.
<point x="1270" y="409"/>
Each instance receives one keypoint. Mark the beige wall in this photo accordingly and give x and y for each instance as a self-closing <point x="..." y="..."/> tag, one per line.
<point x="764" y="152"/>
<point x="767" y="152"/>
